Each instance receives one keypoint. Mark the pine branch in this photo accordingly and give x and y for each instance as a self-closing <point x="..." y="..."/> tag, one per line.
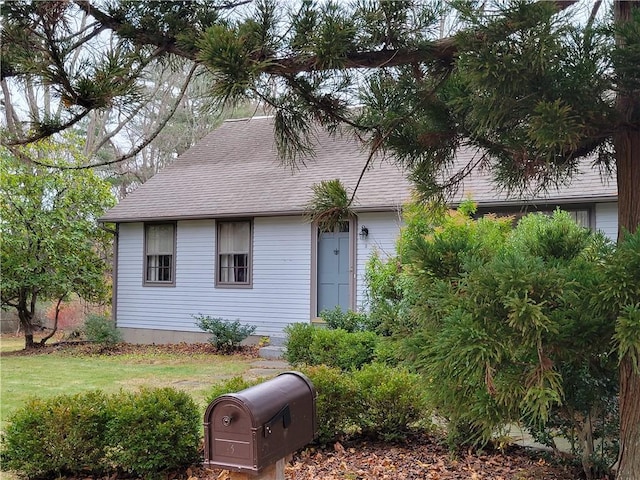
<point x="140" y="36"/>
<point x="46" y="130"/>
<point x="142" y="145"/>
<point x="443" y="51"/>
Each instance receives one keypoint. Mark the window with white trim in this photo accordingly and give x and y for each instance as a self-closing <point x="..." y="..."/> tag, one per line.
<point x="234" y="253"/>
<point x="160" y="254"/>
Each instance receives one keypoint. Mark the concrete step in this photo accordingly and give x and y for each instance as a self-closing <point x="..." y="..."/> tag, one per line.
<point x="271" y="352"/>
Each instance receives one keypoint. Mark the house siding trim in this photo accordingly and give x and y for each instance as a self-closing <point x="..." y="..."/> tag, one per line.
<point x="232" y="215"/>
<point x="114" y="275"/>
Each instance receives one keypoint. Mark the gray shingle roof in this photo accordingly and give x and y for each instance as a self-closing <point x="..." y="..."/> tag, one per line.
<point x="235" y="171"/>
<point x="588" y="185"/>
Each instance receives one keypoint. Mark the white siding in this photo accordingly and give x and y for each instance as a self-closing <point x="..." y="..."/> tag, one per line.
<point x="281" y="279"/>
<point x="607" y="219"/>
<point x="384" y="229"/>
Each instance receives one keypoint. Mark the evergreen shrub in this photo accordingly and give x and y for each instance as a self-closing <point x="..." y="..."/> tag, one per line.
<point x="226" y="335"/>
<point x="338" y="404"/>
<point x="513" y="324"/>
<point x="393" y="398"/>
<point x="141" y="433"/>
<point x="350" y="321"/>
<point x="100" y="329"/>
<point x="299" y="337"/>
<point x="342" y="349"/>
<point x="378" y="401"/>
<point x="309" y="345"/>
<point x="57" y="436"/>
<point x="153" y="431"/>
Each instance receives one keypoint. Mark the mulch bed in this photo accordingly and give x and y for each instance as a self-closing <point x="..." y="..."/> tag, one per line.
<point x="423" y="457"/>
<point x="80" y="348"/>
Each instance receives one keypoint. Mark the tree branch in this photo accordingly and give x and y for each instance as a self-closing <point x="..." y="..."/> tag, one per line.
<point x="140" y="37"/>
<point x="47" y="131"/>
<point x="149" y="139"/>
<point x="443" y="51"/>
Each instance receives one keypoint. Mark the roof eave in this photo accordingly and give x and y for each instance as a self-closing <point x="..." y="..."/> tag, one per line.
<point x="248" y="214"/>
<point x="543" y="201"/>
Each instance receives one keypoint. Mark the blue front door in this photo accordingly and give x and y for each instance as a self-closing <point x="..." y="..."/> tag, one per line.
<point x="333" y="269"/>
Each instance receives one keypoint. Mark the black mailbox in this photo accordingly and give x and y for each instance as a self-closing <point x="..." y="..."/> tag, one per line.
<point x="256" y="427"/>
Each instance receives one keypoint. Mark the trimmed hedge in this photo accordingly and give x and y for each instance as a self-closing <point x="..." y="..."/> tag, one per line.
<point x="141" y="433"/>
<point x="57" y="436"/>
<point x="153" y="431"/>
<point x="377" y="401"/>
<point x="308" y="345"/>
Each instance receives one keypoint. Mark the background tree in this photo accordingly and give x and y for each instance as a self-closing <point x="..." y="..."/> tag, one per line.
<point x="534" y="86"/>
<point x="52" y="246"/>
<point x="133" y="135"/>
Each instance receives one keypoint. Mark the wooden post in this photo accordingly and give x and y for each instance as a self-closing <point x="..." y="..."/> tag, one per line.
<point x="272" y="472"/>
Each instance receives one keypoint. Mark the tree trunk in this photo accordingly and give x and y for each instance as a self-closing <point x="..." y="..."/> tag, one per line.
<point x="627" y="143"/>
<point x="627" y="146"/>
<point x="55" y="322"/>
<point x="628" y="171"/>
<point x="27" y="325"/>
<point x="26" y="311"/>
<point x="629" y="457"/>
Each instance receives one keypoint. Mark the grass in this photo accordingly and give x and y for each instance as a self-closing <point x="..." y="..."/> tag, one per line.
<point x="45" y="375"/>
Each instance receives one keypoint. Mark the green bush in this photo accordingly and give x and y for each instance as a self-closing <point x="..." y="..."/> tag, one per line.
<point x="387" y="351"/>
<point x="385" y="293"/>
<point x="100" y="329"/>
<point x="57" y="436"/>
<point x="299" y="337"/>
<point x="377" y="401"/>
<point x="142" y="433"/>
<point x="338" y="405"/>
<point x="393" y="399"/>
<point x="350" y="321"/>
<point x="153" y="431"/>
<point x="308" y="345"/>
<point x="226" y="335"/>
<point x="341" y="349"/>
<point x="510" y="324"/>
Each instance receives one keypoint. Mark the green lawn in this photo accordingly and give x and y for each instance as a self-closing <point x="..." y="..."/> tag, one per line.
<point x="45" y="375"/>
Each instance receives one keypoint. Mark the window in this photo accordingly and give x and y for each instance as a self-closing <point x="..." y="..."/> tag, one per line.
<point x="159" y="254"/>
<point x="582" y="216"/>
<point x="234" y="253"/>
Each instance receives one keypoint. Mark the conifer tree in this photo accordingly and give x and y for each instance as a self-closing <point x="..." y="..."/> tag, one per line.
<point x="536" y="87"/>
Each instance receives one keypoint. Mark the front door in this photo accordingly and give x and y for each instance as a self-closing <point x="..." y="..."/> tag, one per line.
<point x="333" y="268"/>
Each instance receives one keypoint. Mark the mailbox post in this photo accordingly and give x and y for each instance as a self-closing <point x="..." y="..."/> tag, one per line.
<point x="251" y="432"/>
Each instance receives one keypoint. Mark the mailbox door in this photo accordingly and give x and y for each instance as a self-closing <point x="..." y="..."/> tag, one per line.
<point x="232" y="436"/>
<point x="291" y="427"/>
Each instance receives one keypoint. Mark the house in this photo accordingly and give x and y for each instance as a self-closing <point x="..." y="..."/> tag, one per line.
<point x="222" y="232"/>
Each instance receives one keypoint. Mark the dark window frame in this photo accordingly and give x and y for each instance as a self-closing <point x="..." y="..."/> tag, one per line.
<point x="169" y="264"/>
<point x="241" y="262"/>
